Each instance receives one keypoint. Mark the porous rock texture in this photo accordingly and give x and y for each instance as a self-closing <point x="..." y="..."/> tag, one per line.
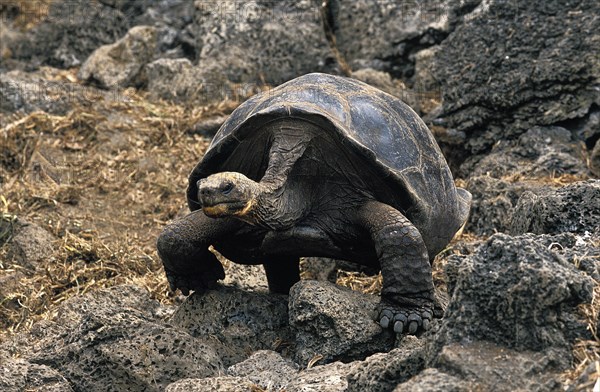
<point x="518" y="293"/>
<point x="70" y="32"/>
<point x="238" y="322"/>
<point x="251" y="42"/>
<point x="510" y="67"/>
<point x="315" y="309"/>
<point x="121" y="64"/>
<point x="115" y="340"/>
<point x="29" y="245"/>
<point x="573" y="208"/>
<point x="17" y="375"/>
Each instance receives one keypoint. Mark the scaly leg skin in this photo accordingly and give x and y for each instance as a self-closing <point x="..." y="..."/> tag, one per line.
<point x="183" y="249"/>
<point x="282" y="274"/>
<point x="407" y="295"/>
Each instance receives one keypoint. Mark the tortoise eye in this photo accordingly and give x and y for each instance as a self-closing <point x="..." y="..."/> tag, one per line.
<point x="227" y="188"/>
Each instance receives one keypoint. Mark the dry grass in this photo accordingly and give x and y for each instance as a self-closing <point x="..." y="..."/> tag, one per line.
<point x="103" y="180"/>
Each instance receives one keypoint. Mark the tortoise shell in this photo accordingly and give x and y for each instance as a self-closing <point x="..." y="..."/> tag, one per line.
<point x="384" y="131"/>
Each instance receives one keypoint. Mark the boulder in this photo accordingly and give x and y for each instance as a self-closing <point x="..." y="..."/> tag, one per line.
<point x="433" y="380"/>
<point x="386" y="35"/>
<point x="260" y="42"/>
<point x="493" y="203"/>
<point x="179" y="81"/>
<point x="495" y="88"/>
<point x="239" y="322"/>
<point x="573" y="208"/>
<point x="497" y="368"/>
<point x="539" y="152"/>
<point x="517" y="293"/>
<point x="324" y="378"/>
<point x="30" y="245"/>
<point x="267" y="369"/>
<point x="70" y="32"/>
<point x="28" y="92"/>
<point x="382" y="372"/>
<point x="17" y="375"/>
<point x="121" y="64"/>
<point x="114" y="339"/>
<point x="334" y="323"/>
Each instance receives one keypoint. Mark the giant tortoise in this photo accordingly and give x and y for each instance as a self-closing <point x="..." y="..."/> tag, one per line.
<point x="321" y="166"/>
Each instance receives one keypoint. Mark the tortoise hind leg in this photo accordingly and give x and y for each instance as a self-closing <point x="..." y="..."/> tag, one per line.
<point x="183" y="249"/>
<point x="407" y="294"/>
<point x="282" y="273"/>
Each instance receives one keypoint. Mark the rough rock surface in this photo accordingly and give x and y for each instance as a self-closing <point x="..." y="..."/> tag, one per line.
<point x="573" y="208"/>
<point x="71" y="31"/>
<point x="251" y="42"/>
<point x="179" y="81"/>
<point x="213" y="384"/>
<point x="28" y="92"/>
<point x="324" y="378"/>
<point x="497" y="368"/>
<point x="267" y="369"/>
<point x="17" y="375"/>
<point x="315" y="309"/>
<point x="493" y="203"/>
<point x="539" y="152"/>
<point x="240" y="322"/>
<point x="385" y="35"/>
<point x="433" y="380"/>
<point x="114" y="339"/>
<point x="536" y="310"/>
<point x="30" y="244"/>
<point x="382" y="372"/>
<point x="477" y="59"/>
<point x="121" y="64"/>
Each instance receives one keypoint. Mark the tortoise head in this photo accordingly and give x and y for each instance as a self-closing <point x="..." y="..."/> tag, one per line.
<point x="227" y="194"/>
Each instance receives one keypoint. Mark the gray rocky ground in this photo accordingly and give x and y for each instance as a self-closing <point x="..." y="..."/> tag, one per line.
<point x="511" y="91"/>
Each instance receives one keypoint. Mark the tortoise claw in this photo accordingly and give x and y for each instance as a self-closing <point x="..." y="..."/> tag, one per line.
<point x="405" y="319"/>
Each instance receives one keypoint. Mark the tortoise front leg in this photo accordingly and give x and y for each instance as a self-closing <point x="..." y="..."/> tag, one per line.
<point x="282" y="273"/>
<point x="183" y="249"/>
<point x="407" y="294"/>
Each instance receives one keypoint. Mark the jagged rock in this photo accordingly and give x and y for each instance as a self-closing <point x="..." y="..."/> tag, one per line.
<point x="251" y="42"/>
<point x="493" y="203"/>
<point x="573" y="208"/>
<point x="30" y="244"/>
<point x="120" y="64"/>
<point x="517" y="293"/>
<point x="17" y="375"/>
<point x="433" y="380"/>
<point x="325" y="378"/>
<point x="539" y="152"/>
<point x="112" y="340"/>
<point x="497" y="368"/>
<point x="334" y="322"/>
<point x="267" y="369"/>
<point x="382" y="372"/>
<point x="494" y="88"/>
<point x="70" y="32"/>
<point x="173" y="21"/>
<point x="241" y="322"/>
<point x="212" y="384"/>
<point x="179" y="81"/>
<point x="385" y="35"/>
<point x="28" y="92"/>
<point x="246" y="277"/>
